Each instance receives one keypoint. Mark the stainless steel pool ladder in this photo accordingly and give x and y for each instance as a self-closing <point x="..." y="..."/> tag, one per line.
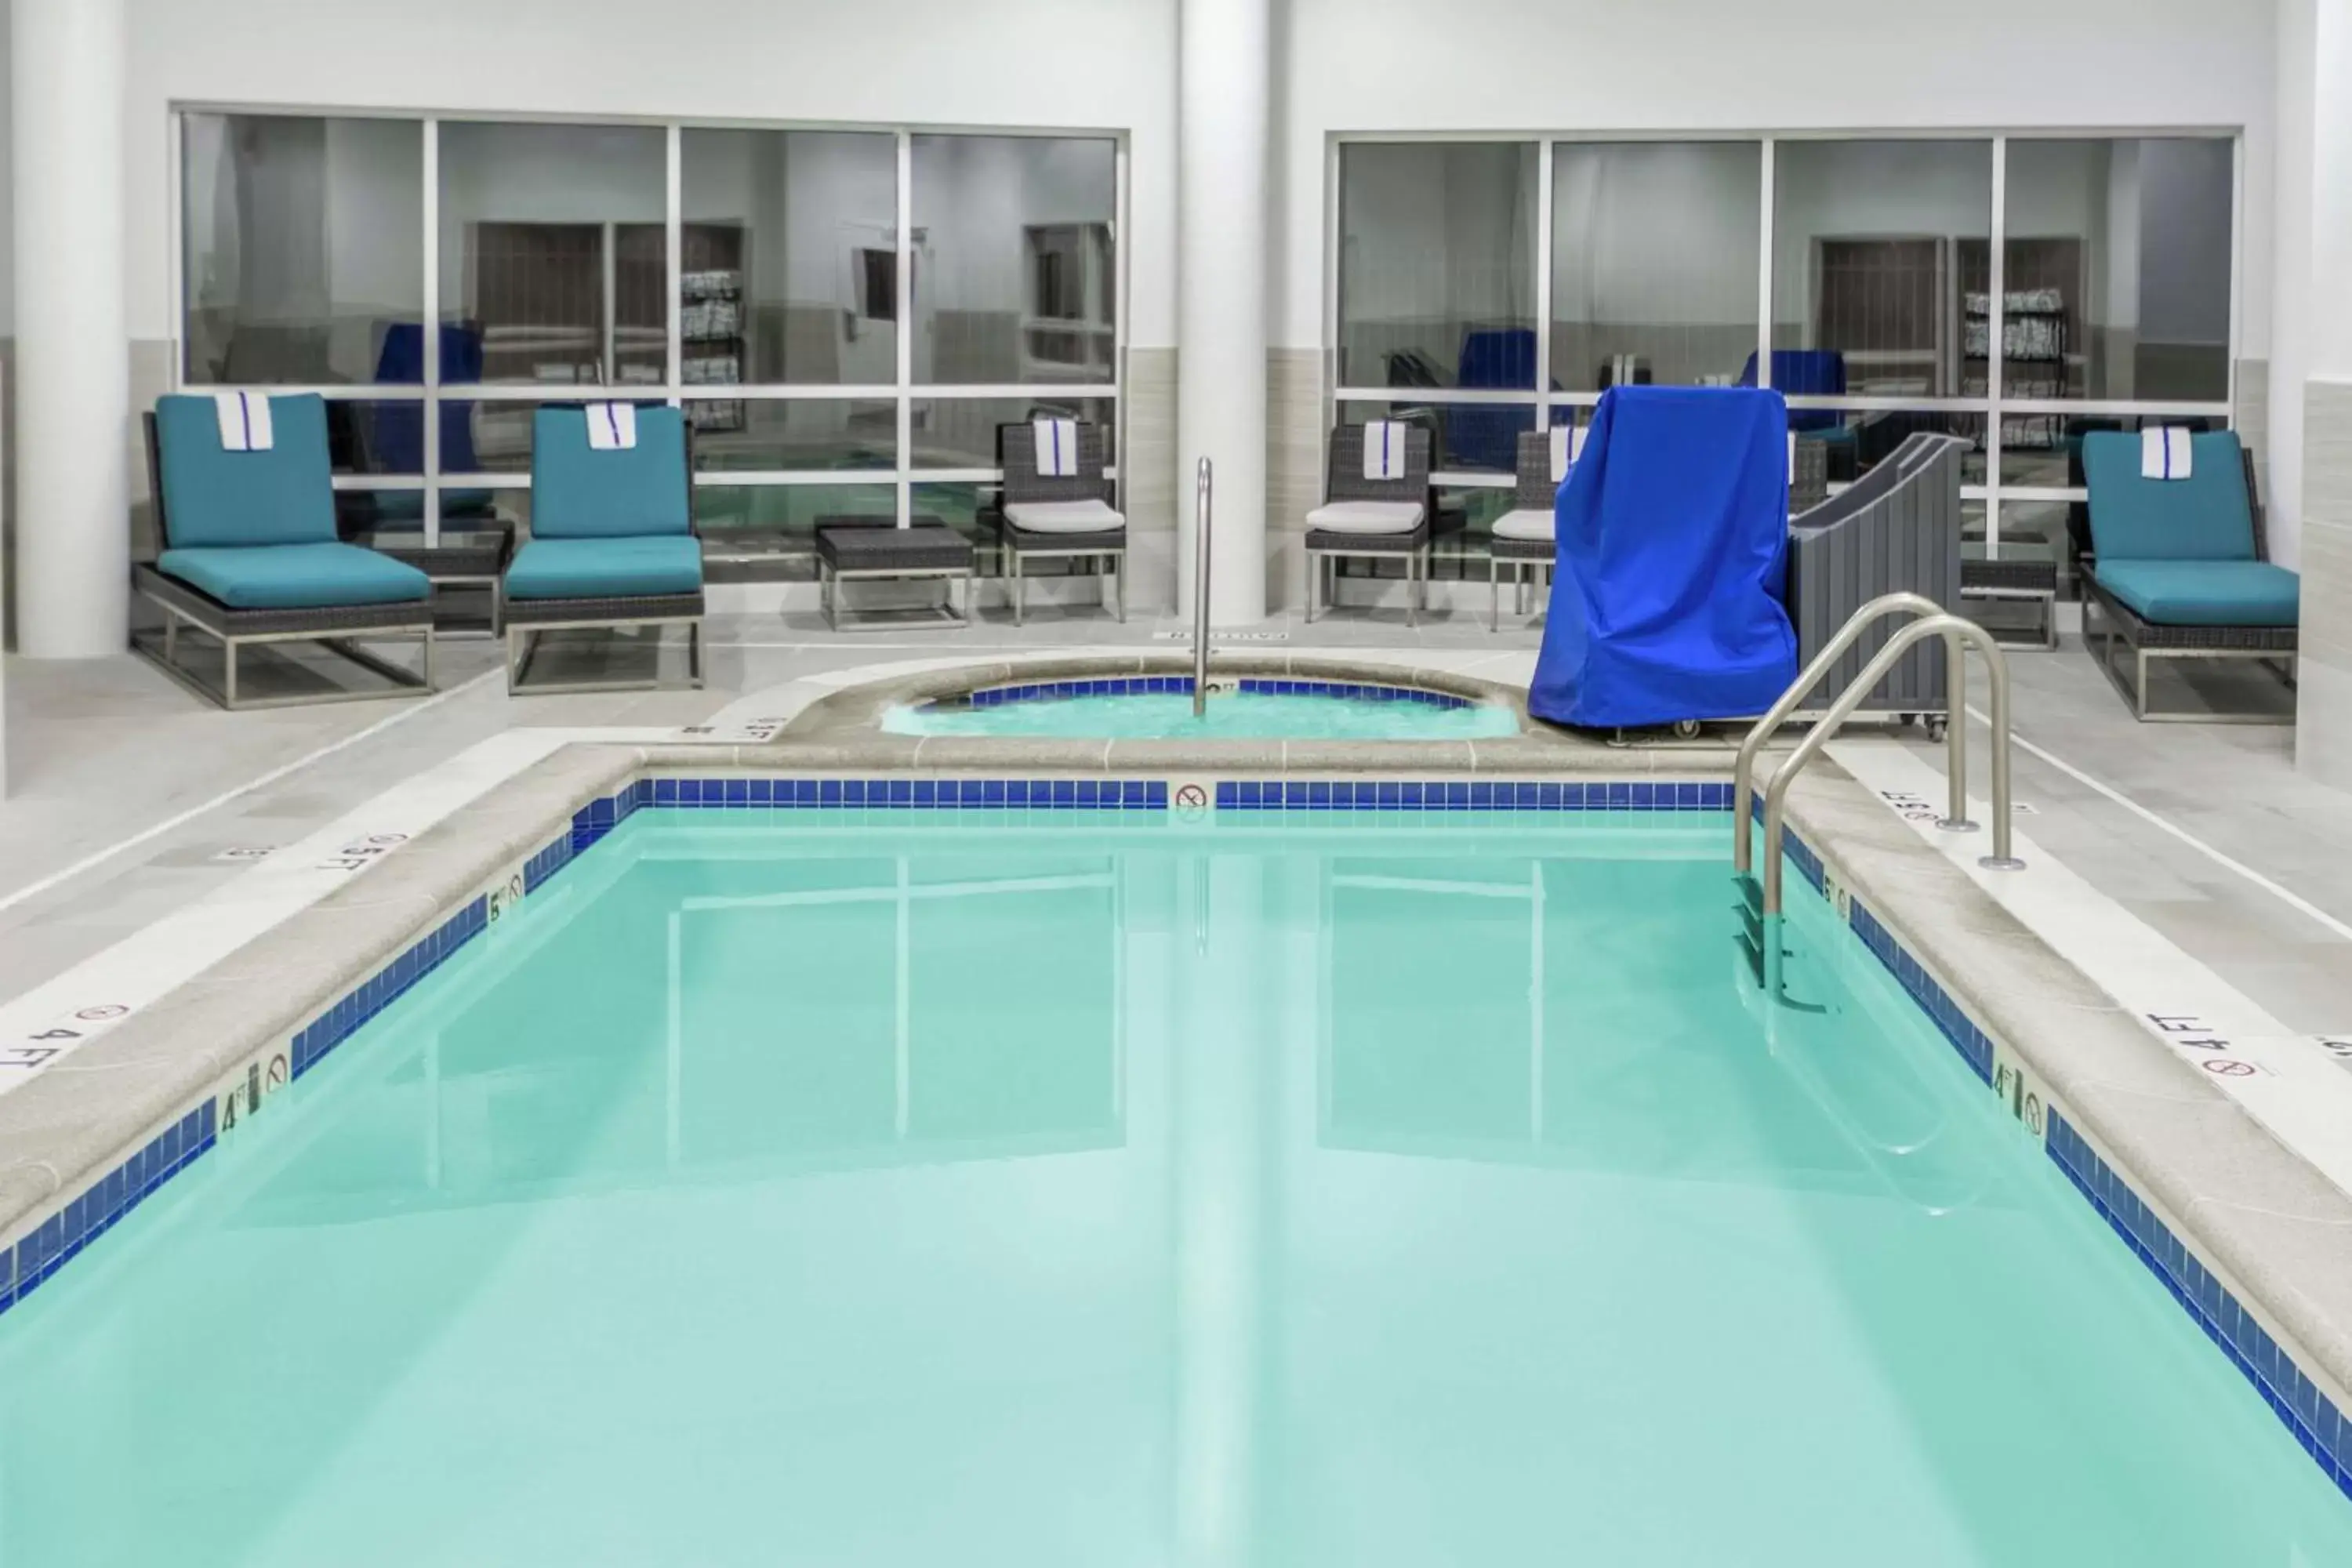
<point x="1200" y="593"/>
<point x="1929" y="620"/>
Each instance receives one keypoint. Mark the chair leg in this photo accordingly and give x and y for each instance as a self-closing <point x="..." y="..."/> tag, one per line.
<point x="1411" y="588"/>
<point x="171" y="636"/>
<point x="829" y="593"/>
<point x="1119" y="583"/>
<point x="694" y="653"/>
<point x="1020" y="593"/>
<point x="1314" y="581"/>
<point x="430" y="684"/>
<point x="229" y="672"/>
<point x="1495" y="594"/>
<point x="2139" y="693"/>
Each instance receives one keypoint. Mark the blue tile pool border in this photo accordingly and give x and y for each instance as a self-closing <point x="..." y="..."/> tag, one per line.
<point x="2316" y="1421"/>
<point x="2313" y="1420"/>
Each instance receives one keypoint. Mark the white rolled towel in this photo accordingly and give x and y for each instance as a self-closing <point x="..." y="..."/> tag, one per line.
<point x="1567" y="445"/>
<point x="244" y="421"/>
<point x="1057" y="448"/>
<point x="2164" y="454"/>
<point x="612" y="427"/>
<point x="1384" y="448"/>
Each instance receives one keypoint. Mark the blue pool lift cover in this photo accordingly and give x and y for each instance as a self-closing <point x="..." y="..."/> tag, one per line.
<point x="1673" y="529"/>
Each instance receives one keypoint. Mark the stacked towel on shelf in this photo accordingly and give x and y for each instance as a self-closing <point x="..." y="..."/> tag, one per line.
<point x="723" y="282"/>
<point x="2164" y="454"/>
<point x="612" y="427"/>
<point x="244" y="421"/>
<point x="713" y="318"/>
<point x="1057" y="448"/>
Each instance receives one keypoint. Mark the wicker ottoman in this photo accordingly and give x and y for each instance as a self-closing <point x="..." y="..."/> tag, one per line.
<point x="853" y="548"/>
<point x="2027" y="580"/>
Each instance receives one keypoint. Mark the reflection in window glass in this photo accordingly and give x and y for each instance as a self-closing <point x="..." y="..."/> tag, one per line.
<point x="304" y="241"/>
<point x="553" y="252"/>
<point x="970" y="508"/>
<point x="1858" y="440"/>
<point x="1653" y="262"/>
<point x="814" y="433"/>
<point x="2116" y="263"/>
<point x="1464" y="437"/>
<point x="1437" y="257"/>
<point x="1872" y="249"/>
<point x="961" y="432"/>
<point x="788" y="513"/>
<point x="1015" y="261"/>
<point x="790" y="242"/>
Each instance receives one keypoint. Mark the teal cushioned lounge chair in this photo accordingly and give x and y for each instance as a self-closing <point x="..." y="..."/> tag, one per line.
<point x="251" y="555"/>
<point x="2181" y="571"/>
<point x="612" y="541"/>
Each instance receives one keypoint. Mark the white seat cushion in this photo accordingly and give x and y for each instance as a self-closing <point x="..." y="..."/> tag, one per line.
<point x="1525" y="523"/>
<point x="1366" y="516"/>
<point x="1064" y="517"/>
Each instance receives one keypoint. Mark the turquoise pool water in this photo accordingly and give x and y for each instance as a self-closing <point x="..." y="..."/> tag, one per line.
<point x="812" y="1191"/>
<point x="1231" y="715"/>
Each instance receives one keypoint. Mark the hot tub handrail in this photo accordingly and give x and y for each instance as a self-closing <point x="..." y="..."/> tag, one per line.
<point x="1776" y="790"/>
<point x="1200" y="594"/>
<point x="1744" y="771"/>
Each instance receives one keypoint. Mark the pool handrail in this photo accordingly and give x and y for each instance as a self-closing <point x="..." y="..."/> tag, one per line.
<point x="1776" y="790"/>
<point x="1743" y="772"/>
<point x="1201" y="592"/>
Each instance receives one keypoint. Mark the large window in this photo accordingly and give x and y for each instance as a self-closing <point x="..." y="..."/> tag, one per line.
<point x="1437" y="263"/>
<point x="1013" y="283"/>
<point x="1876" y="281"/>
<point x="846" y="315"/>
<point x="1653" y="262"/>
<point x="304" y="248"/>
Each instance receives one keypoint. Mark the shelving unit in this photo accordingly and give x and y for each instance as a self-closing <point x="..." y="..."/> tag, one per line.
<point x="713" y="343"/>
<point x="2033" y="361"/>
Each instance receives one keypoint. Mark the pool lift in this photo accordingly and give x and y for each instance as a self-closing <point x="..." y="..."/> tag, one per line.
<point x="1759" y="901"/>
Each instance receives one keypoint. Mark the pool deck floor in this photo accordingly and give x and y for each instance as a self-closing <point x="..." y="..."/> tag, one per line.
<point x="129" y="801"/>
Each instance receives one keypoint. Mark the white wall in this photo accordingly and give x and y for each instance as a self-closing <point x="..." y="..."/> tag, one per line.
<point x="942" y="62"/>
<point x="1525" y="66"/>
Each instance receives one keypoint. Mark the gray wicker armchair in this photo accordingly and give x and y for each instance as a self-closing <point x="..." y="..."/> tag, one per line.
<point x="1523" y="536"/>
<point x="1060" y="517"/>
<point x="1368" y="518"/>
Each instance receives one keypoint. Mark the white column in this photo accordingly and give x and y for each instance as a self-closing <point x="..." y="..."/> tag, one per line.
<point x="2323" y="696"/>
<point x="73" y="352"/>
<point x="2290" y="292"/>
<point x="1223" y="105"/>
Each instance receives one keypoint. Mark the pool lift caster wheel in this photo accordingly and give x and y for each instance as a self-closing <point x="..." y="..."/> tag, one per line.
<point x="1938" y="725"/>
<point x="1686" y="729"/>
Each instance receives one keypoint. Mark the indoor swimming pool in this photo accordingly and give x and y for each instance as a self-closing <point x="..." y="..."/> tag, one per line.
<point x="1159" y="708"/>
<point x="915" y="1187"/>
